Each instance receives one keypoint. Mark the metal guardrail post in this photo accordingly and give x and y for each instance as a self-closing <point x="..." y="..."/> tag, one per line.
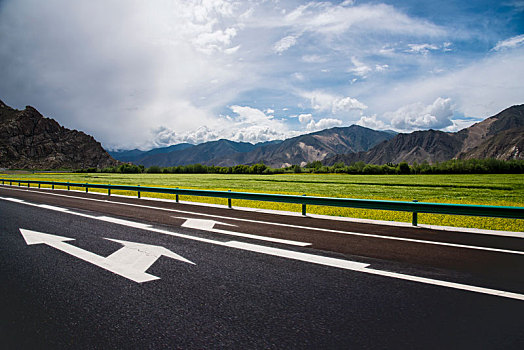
<point x="229" y="201"/>
<point x="53" y="186"/>
<point x="38" y="185"/>
<point x="87" y="188"/>
<point x="28" y="184"/>
<point x="303" y="207"/>
<point x="414" y="220"/>
<point x="19" y="184"/>
<point x="109" y="190"/>
<point x="68" y="187"/>
<point x="176" y="196"/>
<point x="138" y="192"/>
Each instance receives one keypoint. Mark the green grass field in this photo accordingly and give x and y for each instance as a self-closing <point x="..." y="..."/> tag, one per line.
<point x="507" y="190"/>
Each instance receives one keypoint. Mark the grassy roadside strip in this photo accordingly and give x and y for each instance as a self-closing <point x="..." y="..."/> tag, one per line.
<point x="463" y="189"/>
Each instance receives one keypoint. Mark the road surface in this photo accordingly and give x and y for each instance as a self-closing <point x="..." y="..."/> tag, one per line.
<point x="87" y="270"/>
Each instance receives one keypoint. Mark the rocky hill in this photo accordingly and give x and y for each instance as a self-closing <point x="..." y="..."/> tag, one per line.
<point x="500" y="137"/>
<point x="30" y="141"/>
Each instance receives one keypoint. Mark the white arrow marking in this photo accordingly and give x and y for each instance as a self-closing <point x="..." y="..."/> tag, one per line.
<point x="209" y="225"/>
<point x="131" y="261"/>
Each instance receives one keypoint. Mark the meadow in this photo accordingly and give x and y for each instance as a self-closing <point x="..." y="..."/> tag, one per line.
<point x="487" y="189"/>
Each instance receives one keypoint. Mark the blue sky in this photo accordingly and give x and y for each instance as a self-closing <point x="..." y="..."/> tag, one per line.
<point x="153" y="73"/>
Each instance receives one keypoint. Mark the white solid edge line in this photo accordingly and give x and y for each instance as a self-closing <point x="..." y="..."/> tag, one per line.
<point x="466" y="287"/>
<point x="455" y="245"/>
<point x="515" y="234"/>
<point x="316" y="259"/>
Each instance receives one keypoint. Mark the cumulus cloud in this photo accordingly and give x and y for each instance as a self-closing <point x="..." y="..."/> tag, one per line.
<point x="510" y="43"/>
<point x="372" y="123"/>
<point x="325" y="102"/>
<point x="305" y="118"/>
<point x="253" y="125"/>
<point x="419" y="116"/>
<point x="324" y="123"/>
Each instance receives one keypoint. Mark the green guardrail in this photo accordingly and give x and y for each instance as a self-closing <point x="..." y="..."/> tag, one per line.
<point x="413" y="207"/>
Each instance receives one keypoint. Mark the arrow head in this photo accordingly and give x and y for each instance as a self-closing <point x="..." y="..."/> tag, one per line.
<point x="34" y="237"/>
<point x="146" y="250"/>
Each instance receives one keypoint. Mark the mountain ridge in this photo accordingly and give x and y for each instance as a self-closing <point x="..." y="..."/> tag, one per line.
<point x="296" y="150"/>
<point x="499" y="137"/>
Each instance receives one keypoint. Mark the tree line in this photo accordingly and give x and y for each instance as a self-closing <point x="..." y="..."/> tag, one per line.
<point x="454" y="166"/>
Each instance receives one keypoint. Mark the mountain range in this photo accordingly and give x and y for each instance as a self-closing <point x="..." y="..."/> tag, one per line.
<point x="500" y="136"/>
<point x="30" y="141"/>
<point x="297" y="150"/>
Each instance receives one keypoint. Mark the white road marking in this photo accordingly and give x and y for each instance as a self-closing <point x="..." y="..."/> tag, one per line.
<point x="208" y="225"/>
<point x="314" y="259"/>
<point x="466" y="287"/>
<point x="359" y="234"/>
<point x="289" y="254"/>
<point x="507" y="251"/>
<point x="131" y="261"/>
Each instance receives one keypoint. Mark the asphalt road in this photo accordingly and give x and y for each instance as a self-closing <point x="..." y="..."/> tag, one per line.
<point x="295" y="283"/>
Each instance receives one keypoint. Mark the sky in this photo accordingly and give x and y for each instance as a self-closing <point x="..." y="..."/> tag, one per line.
<point x="144" y="74"/>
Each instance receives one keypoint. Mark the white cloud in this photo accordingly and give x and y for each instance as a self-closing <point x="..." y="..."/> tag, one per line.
<point x="360" y="68"/>
<point x="325" y="102"/>
<point x="314" y="59"/>
<point x="372" y="123"/>
<point x="173" y="66"/>
<point x="459" y="124"/>
<point x="419" y="116"/>
<point x="144" y="71"/>
<point x="253" y="125"/>
<point x="210" y="42"/>
<point x="346" y="104"/>
<point x="323" y="124"/>
<point x="200" y="135"/>
<point x="330" y="19"/>
<point x="305" y="118"/>
<point x="446" y="47"/>
<point x="247" y="125"/>
<point x="422" y="48"/>
<point x="285" y="43"/>
<point x="298" y="76"/>
<point x="481" y="89"/>
<point x="510" y="43"/>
